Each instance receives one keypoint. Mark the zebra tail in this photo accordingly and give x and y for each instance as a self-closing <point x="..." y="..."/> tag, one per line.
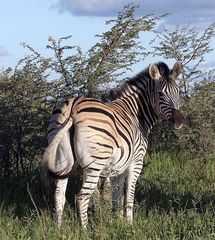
<point x="58" y="157"/>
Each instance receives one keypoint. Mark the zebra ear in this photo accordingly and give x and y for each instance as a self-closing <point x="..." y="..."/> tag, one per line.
<point x="176" y="70"/>
<point x="154" y="72"/>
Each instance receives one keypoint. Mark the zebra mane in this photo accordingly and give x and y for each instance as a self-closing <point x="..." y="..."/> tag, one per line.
<point x="142" y="76"/>
<point x="162" y="67"/>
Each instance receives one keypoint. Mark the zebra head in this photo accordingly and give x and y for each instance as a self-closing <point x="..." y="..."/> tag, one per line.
<point x="167" y="92"/>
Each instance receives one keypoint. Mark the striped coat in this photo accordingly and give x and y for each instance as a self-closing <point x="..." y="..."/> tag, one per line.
<point x="110" y="139"/>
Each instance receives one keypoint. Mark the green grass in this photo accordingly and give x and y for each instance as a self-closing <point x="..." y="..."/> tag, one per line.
<point x="175" y="199"/>
<point x="157" y="224"/>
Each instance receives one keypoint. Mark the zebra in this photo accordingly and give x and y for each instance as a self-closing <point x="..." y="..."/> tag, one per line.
<point x="109" y="139"/>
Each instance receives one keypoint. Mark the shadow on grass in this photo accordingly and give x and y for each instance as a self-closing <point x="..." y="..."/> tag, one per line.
<point x="25" y="195"/>
<point x="152" y="197"/>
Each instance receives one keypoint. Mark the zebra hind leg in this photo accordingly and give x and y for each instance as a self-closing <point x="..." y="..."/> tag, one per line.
<point x="90" y="181"/>
<point x="60" y="199"/>
<point x="118" y="183"/>
<point x="133" y="174"/>
<point x="106" y="192"/>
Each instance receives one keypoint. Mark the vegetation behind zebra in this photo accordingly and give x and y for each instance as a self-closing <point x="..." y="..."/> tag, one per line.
<point x="28" y="93"/>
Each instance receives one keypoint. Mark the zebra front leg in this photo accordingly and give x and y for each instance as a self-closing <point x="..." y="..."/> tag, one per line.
<point x="133" y="174"/>
<point x="60" y="199"/>
<point x="90" y="181"/>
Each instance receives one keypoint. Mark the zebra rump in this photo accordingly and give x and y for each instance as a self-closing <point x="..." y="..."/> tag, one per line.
<point x="58" y="158"/>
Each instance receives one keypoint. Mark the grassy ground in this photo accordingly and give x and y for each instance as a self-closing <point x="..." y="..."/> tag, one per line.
<point x="175" y="199"/>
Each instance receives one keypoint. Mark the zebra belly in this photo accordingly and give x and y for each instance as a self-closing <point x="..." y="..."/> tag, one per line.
<point x="116" y="165"/>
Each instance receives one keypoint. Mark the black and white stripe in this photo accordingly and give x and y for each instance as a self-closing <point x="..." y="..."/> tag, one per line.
<point x="110" y="139"/>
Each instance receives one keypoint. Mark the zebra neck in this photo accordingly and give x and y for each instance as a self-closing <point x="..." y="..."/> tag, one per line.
<point x="146" y="115"/>
<point x="137" y="103"/>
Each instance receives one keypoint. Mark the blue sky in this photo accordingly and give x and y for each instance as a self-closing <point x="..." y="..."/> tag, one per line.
<point x="33" y="21"/>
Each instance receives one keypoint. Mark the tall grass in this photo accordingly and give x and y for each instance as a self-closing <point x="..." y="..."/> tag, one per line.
<point x="175" y="199"/>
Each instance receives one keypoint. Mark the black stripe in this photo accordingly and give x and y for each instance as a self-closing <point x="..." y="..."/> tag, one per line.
<point x="52" y="129"/>
<point x="66" y="102"/>
<point x="104" y="131"/>
<point x="94" y="169"/>
<point x="75" y="100"/>
<point x="104" y="145"/>
<point x="99" y="157"/>
<point x="90" y="100"/>
<point x="87" y="188"/>
<point x="84" y="194"/>
<point x="128" y="103"/>
<point x="98" y="110"/>
<point x="55" y="111"/>
<point x="124" y="126"/>
<point x="91" y="182"/>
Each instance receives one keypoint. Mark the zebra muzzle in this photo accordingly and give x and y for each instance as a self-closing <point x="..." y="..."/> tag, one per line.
<point x="177" y="119"/>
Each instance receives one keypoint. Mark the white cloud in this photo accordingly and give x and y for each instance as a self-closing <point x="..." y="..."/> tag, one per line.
<point x="183" y="11"/>
<point x="88" y="7"/>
